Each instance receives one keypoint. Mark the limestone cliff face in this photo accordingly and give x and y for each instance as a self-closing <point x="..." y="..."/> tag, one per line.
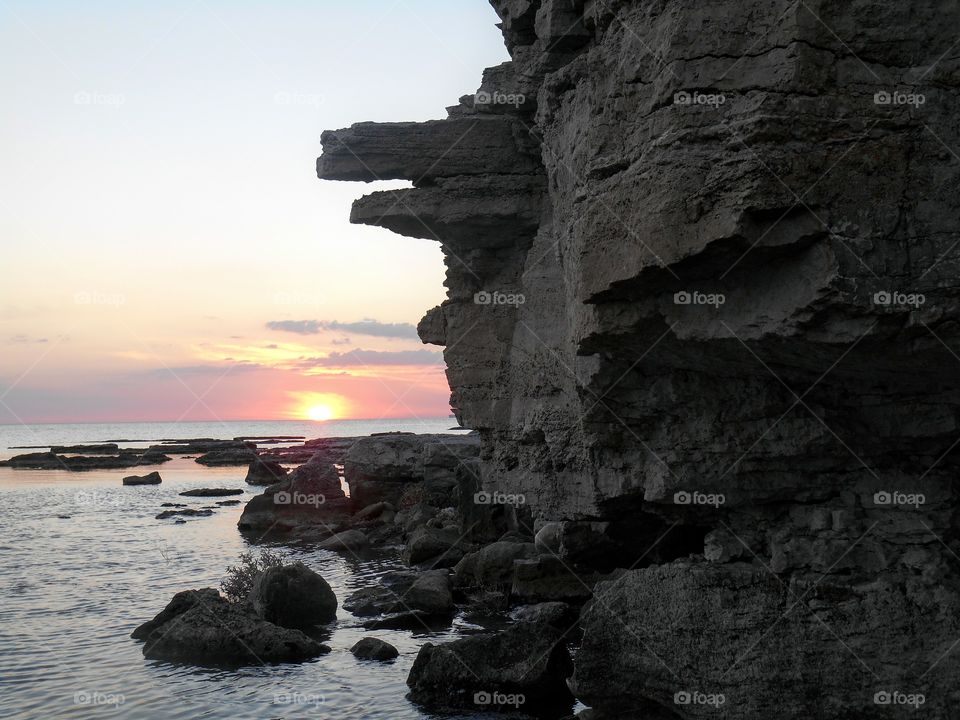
<point x="704" y="289"/>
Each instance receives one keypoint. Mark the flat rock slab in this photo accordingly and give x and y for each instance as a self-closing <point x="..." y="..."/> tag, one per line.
<point x="212" y="492"/>
<point x="188" y="513"/>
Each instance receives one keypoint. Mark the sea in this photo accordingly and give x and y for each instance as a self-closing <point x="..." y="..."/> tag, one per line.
<point x="83" y="561"/>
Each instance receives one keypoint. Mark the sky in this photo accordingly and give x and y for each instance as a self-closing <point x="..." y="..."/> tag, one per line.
<point x="168" y="252"/>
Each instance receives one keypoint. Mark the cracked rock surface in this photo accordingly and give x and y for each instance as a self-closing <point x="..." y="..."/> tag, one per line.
<point x="703" y="301"/>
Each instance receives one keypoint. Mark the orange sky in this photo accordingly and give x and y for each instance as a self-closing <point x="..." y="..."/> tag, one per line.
<point x="168" y="252"/>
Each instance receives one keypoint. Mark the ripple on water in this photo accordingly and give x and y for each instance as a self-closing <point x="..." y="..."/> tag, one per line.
<point x="73" y="590"/>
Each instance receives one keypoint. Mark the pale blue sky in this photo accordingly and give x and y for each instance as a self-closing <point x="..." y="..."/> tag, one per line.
<point x="159" y="159"/>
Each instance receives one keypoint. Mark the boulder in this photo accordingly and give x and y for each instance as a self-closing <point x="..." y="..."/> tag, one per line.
<point x="293" y="596"/>
<point x="201" y="628"/>
<point x="150" y="479"/>
<point x="371" y="648"/>
<point x="346" y="541"/>
<point x="430" y="592"/>
<point x="441" y="548"/>
<point x="492" y="566"/>
<point x="310" y="498"/>
<point x="265" y="472"/>
<point x="400" y="592"/>
<point x="527" y="663"/>
<point x="557" y="614"/>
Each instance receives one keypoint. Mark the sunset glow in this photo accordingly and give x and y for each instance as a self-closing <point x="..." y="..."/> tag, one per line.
<point x="320" y="413"/>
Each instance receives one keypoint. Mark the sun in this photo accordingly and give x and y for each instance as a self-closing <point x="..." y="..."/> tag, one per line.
<point x="320" y="413"/>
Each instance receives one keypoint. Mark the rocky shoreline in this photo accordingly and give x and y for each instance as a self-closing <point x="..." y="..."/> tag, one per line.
<point x="468" y="554"/>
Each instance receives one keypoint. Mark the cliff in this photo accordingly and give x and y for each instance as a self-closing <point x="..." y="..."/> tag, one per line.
<point x="703" y="310"/>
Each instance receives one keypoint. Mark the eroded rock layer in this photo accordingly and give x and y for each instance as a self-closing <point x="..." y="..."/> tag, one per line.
<point x="704" y="288"/>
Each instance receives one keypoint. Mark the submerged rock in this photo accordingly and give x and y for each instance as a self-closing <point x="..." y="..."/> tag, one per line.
<point x="371" y="648"/>
<point x="347" y="541"/>
<point x="200" y="627"/>
<point x="189" y="512"/>
<point x="293" y="596"/>
<point x="212" y="492"/>
<point x="527" y="663"/>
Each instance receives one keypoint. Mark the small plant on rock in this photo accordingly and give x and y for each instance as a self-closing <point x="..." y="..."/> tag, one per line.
<point x="236" y="585"/>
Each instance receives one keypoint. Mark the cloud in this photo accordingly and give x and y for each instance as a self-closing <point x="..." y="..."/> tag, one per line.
<point x="20" y="339"/>
<point x="230" y="368"/>
<point x="373" y="328"/>
<point x="360" y="358"/>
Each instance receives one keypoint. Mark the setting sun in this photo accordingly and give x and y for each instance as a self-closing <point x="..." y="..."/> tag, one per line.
<point x="320" y="412"/>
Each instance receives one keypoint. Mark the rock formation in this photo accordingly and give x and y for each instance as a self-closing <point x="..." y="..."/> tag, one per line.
<point x="702" y="263"/>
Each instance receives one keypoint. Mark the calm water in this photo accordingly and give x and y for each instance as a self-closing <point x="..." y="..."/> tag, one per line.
<point x="73" y="589"/>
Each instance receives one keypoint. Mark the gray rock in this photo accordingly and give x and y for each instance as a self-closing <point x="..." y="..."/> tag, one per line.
<point x="346" y="541"/>
<point x="223" y="458"/>
<point x="265" y="472"/>
<point x="371" y="648"/>
<point x="440" y="548"/>
<point x="201" y="628"/>
<point x="150" y="479"/>
<point x="430" y="592"/>
<point x="557" y="614"/>
<point x="524" y="660"/>
<point x="310" y="498"/>
<point x="492" y="566"/>
<point x="293" y="596"/>
<point x="842" y="623"/>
